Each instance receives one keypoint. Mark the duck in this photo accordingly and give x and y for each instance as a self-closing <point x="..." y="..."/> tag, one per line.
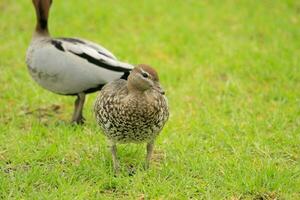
<point x="132" y="111"/>
<point x="70" y="66"/>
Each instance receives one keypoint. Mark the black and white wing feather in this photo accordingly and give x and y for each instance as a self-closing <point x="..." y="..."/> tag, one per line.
<point x="90" y="44"/>
<point x="92" y="53"/>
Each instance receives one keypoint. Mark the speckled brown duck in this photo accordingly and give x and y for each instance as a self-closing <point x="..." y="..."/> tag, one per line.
<point x="133" y="110"/>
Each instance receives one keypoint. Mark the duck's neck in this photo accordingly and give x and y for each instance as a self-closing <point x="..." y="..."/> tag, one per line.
<point x="133" y="89"/>
<point x="40" y="34"/>
<point x="42" y="10"/>
<point x="41" y="28"/>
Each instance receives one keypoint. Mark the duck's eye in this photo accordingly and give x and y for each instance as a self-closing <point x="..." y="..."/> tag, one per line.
<point x="145" y="75"/>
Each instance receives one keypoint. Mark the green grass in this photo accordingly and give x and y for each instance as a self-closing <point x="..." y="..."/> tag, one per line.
<point x="231" y="70"/>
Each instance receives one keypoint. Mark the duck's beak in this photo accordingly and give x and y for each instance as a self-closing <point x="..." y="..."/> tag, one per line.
<point x="159" y="89"/>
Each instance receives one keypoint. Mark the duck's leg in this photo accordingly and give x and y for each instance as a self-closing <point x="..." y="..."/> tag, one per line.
<point x="113" y="149"/>
<point x="77" y="115"/>
<point x="150" y="146"/>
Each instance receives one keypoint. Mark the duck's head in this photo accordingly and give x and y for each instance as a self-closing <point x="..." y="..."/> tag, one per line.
<point x="142" y="78"/>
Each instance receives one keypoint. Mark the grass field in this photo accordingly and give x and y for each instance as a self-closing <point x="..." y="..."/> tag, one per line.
<point x="231" y="70"/>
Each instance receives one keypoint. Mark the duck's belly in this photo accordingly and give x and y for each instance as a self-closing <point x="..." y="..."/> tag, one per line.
<point x="130" y="132"/>
<point x="123" y="126"/>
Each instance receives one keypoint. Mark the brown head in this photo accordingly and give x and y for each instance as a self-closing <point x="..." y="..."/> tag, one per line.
<point x="42" y="12"/>
<point x="142" y="78"/>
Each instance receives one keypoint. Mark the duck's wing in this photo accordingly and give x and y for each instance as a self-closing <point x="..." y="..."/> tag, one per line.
<point x="114" y="87"/>
<point x="90" y="44"/>
<point x="91" y="52"/>
<point x="111" y="94"/>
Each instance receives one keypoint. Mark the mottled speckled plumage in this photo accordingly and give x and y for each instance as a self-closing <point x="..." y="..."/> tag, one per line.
<point x="132" y="111"/>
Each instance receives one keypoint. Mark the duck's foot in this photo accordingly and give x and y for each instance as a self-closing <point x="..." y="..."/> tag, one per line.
<point x="116" y="169"/>
<point x="149" y="148"/>
<point x="113" y="149"/>
<point x="78" y="106"/>
<point x="79" y="121"/>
